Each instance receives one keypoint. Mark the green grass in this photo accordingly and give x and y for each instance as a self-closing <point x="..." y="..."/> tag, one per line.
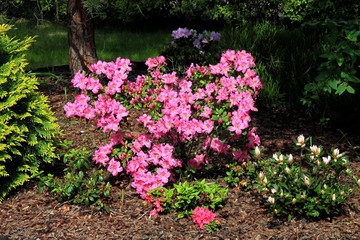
<point x="51" y="46"/>
<point x="137" y="46"/>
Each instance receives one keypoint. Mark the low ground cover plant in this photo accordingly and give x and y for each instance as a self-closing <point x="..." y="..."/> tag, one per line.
<point x="80" y="182"/>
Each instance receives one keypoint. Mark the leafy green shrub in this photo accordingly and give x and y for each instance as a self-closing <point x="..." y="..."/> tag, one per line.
<point x="339" y="72"/>
<point x="185" y="196"/>
<point x="314" y="185"/>
<point x="27" y="126"/>
<point x="81" y="183"/>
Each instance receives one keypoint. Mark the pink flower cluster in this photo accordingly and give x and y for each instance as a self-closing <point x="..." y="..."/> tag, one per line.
<point x="108" y="111"/>
<point x="202" y="216"/>
<point x="151" y="164"/>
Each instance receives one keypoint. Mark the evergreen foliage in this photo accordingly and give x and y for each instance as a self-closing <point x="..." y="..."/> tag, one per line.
<point x="27" y="125"/>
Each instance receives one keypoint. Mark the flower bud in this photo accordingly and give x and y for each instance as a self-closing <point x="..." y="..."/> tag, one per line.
<point x="273" y="191"/>
<point x="290" y="158"/>
<point x="307" y="180"/>
<point x="257" y="152"/>
<point x="287" y="170"/>
<point x="293" y="201"/>
<point x="265" y="181"/>
<point x="333" y="197"/>
<point x="358" y="182"/>
<point x="261" y="176"/>
<point x="315" y="150"/>
<point x="271" y="200"/>
<point x="301" y="141"/>
<point x="326" y="160"/>
<point x="281" y="158"/>
<point x="336" y="153"/>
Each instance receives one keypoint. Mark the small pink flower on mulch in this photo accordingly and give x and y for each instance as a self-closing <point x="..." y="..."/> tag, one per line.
<point x="203" y="216"/>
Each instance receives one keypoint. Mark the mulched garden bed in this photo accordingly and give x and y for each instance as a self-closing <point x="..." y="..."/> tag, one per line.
<point x="27" y="214"/>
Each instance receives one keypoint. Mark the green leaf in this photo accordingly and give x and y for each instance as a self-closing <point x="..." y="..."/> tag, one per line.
<point x="334" y="84"/>
<point x="349" y="78"/>
<point x="341" y="88"/>
<point x="340" y="61"/>
<point x="353" y="35"/>
<point x="350" y="89"/>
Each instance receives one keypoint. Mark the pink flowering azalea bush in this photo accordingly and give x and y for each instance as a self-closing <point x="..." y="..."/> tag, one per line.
<point x="187" y="121"/>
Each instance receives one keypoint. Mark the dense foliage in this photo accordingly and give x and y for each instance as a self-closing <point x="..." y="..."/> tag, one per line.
<point x="314" y="184"/>
<point x="27" y="126"/>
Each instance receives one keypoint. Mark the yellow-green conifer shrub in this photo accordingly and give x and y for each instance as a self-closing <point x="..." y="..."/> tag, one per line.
<point x="27" y="126"/>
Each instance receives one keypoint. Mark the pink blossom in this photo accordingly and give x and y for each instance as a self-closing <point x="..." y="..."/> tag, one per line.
<point x="169" y="78"/>
<point x="94" y="85"/>
<point x="202" y="216"/>
<point x="163" y="174"/>
<point x="206" y="112"/>
<point x="240" y="155"/>
<point x="253" y="139"/>
<point x="79" y="80"/>
<point x="185" y="86"/>
<point x="114" y="167"/>
<point x="208" y="126"/>
<point x="196" y="162"/>
<point x="155" y="62"/>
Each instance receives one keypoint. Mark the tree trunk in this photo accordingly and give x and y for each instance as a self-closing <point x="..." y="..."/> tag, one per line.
<point x="81" y="37"/>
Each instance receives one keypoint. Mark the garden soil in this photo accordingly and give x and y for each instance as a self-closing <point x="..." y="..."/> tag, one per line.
<point x="28" y="214"/>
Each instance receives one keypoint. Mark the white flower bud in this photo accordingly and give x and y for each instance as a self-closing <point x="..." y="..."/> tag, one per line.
<point x="290" y="158"/>
<point x="336" y="153"/>
<point x="315" y="150"/>
<point x="265" y="181"/>
<point x="301" y="141"/>
<point x="261" y="176"/>
<point x="326" y="160"/>
<point x="307" y="180"/>
<point x="257" y="152"/>
<point x="271" y="200"/>
<point x="281" y="158"/>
